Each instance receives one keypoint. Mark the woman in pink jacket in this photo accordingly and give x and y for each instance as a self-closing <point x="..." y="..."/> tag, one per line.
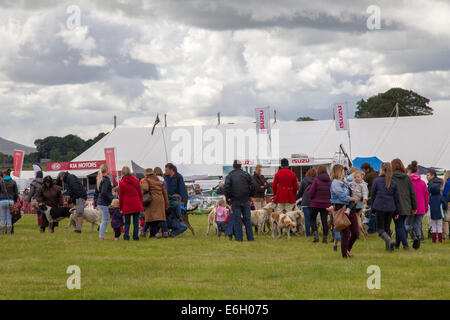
<point x="413" y="223"/>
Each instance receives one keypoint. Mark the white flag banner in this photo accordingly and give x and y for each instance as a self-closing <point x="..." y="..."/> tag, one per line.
<point x="262" y="120"/>
<point x="341" y="116"/>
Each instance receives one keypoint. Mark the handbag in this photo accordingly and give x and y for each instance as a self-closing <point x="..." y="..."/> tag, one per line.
<point x="13" y="207"/>
<point x="147" y="199"/>
<point x="146" y="196"/>
<point x="447" y="215"/>
<point x="340" y="219"/>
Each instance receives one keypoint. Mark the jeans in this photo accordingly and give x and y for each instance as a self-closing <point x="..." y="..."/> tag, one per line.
<point x="105" y="220"/>
<point x="350" y="234"/>
<point x="221" y="226"/>
<point x="400" y="232"/>
<point x="176" y="226"/>
<point x="241" y="209"/>
<point x="413" y="225"/>
<point x="372" y="225"/>
<point x="154" y="227"/>
<point x="308" y="228"/>
<point x="6" y="220"/>
<point x="126" y="235"/>
<point x="323" y="218"/>
<point x="384" y="220"/>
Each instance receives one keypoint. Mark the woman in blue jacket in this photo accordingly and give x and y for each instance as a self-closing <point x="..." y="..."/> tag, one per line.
<point x="385" y="202"/>
<point x="341" y="196"/>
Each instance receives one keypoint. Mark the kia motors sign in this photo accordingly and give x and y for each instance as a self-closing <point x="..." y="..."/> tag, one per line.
<point x="341" y="116"/>
<point x="78" y="165"/>
<point x="262" y="120"/>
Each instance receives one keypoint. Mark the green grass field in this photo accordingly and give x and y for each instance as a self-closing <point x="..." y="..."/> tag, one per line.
<point x="33" y="266"/>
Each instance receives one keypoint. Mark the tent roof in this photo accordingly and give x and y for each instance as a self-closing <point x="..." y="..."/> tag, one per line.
<point x="373" y="161"/>
<point x="425" y="139"/>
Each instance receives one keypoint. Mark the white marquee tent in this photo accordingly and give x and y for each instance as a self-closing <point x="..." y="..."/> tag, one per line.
<point x="425" y="139"/>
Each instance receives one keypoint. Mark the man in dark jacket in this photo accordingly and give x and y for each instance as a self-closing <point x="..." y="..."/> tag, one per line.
<point x="261" y="187"/>
<point x="369" y="175"/>
<point x="77" y="194"/>
<point x="34" y="187"/>
<point x="175" y="185"/>
<point x="239" y="187"/>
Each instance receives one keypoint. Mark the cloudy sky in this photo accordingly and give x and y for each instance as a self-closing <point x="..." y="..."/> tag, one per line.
<point x="192" y="59"/>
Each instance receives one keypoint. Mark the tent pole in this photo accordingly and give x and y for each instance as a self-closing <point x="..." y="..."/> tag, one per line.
<point x="165" y="146"/>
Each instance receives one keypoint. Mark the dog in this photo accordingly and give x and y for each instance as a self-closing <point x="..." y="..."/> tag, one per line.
<point x="54" y="214"/>
<point x="90" y="215"/>
<point x="212" y="220"/>
<point x="362" y="230"/>
<point x="282" y="223"/>
<point x="185" y="218"/>
<point x="261" y="217"/>
<point x="299" y="219"/>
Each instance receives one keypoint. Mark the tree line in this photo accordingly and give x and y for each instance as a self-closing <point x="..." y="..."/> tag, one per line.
<point x="383" y="105"/>
<point x="60" y="149"/>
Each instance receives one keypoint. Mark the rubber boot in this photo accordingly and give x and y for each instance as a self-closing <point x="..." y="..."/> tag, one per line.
<point x="440" y="237"/>
<point x="8" y="230"/>
<point x="316" y="236"/>
<point x="389" y="243"/>
<point x="324" y="239"/>
<point x="433" y="237"/>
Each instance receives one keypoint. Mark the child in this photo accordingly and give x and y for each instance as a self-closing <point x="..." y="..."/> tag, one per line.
<point x="438" y="205"/>
<point x="115" y="192"/>
<point x="221" y="213"/>
<point x="116" y="218"/>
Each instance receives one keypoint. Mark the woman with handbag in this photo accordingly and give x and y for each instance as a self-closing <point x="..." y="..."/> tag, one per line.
<point x="103" y="198"/>
<point x="340" y="199"/>
<point x="9" y="194"/>
<point x="156" y="203"/>
<point x="386" y="203"/>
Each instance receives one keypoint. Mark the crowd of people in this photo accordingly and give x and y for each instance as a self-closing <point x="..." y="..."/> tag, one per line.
<point x="156" y="203"/>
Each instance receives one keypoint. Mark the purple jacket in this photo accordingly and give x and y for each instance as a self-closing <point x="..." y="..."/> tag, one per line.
<point x="320" y="191"/>
<point x="116" y="218"/>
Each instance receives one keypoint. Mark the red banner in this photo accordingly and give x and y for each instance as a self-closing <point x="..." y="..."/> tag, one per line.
<point x="18" y="162"/>
<point x="110" y="156"/>
<point x="78" y="165"/>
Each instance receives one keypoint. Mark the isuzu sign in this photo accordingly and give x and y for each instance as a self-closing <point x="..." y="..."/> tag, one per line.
<point x="341" y="116"/>
<point x="299" y="161"/>
<point x="262" y="120"/>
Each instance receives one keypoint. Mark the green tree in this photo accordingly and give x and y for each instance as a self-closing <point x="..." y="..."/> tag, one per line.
<point x="63" y="148"/>
<point x="305" y="119"/>
<point x="382" y="105"/>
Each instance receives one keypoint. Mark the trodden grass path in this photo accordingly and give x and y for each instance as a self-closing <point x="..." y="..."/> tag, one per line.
<point x="33" y="266"/>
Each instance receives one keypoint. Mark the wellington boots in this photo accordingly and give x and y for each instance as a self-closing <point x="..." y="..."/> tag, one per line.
<point x="389" y="243"/>
<point x="316" y="236"/>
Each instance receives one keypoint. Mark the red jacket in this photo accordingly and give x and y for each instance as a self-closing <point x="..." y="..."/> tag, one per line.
<point x="130" y="195"/>
<point x="285" y="186"/>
